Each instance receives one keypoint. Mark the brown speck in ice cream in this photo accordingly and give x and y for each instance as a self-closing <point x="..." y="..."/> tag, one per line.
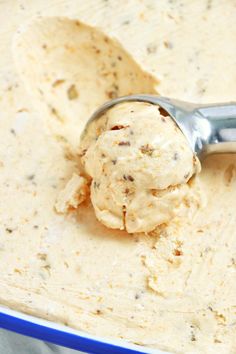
<point x="42" y="256"/>
<point x="22" y="110"/>
<point x="163" y="113"/>
<point x="175" y="156"/>
<point x="30" y="177"/>
<point x="146" y="150"/>
<point x="83" y="152"/>
<point x="58" y="82"/>
<point x="72" y="92"/>
<point x="168" y="44"/>
<point x="112" y="94"/>
<point x="97" y="50"/>
<point x="16" y="270"/>
<point x="96" y="185"/>
<point x="118" y="127"/>
<point x="151" y="48"/>
<point x="124" y="143"/>
<point x="187" y="175"/>
<point x="128" y="178"/>
<point x="47" y="267"/>
<point x="177" y="252"/>
<point x="8" y="230"/>
<point x="56" y="114"/>
<point x="209" y="5"/>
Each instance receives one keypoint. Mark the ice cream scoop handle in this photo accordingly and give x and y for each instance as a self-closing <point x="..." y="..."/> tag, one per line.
<point x="216" y="126"/>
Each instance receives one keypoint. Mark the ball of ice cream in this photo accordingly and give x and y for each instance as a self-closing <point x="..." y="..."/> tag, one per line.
<point x="140" y="164"/>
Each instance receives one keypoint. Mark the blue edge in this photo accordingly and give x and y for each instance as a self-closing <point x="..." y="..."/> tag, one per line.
<point x="69" y="340"/>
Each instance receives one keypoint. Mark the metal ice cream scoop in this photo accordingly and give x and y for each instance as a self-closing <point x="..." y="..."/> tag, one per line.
<point x="208" y="128"/>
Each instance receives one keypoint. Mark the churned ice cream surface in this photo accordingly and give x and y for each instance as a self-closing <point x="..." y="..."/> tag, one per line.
<point x="140" y="164"/>
<point x="170" y="289"/>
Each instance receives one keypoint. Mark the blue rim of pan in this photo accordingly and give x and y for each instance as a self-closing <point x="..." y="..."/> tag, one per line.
<point x="61" y="335"/>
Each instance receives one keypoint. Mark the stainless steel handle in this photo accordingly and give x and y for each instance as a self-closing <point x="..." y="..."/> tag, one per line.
<point x="216" y="127"/>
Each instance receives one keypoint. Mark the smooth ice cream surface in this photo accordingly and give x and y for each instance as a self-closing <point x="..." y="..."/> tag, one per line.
<point x="140" y="163"/>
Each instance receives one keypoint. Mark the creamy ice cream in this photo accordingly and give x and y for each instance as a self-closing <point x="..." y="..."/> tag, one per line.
<point x="172" y="289"/>
<point x="140" y="163"/>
